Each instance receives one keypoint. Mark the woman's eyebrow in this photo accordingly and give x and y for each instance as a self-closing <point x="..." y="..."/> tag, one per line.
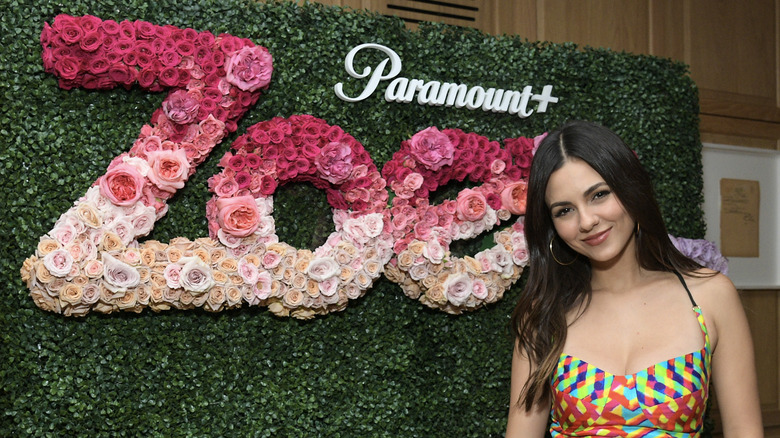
<point x="587" y="193"/>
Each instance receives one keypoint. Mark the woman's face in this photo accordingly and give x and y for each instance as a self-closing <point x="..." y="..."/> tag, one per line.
<point x="586" y="213"/>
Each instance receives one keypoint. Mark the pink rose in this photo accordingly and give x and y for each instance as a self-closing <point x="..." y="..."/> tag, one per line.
<point x="412" y="182"/>
<point x="329" y="287"/>
<point x="513" y="197"/>
<point x="212" y="128"/>
<point x="497" y="166"/>
<point x="432" y="148"/>
<point x="93" y="268"/>
<point x="122" y="185"/>
<point x="537" y="141"/>
<point x="238" y="216"/>
<point x="479" y="289"/>
<point x="248" y="271"/>
<point x="457" y="288"/>
<point x="223" y="186"/>
<point x="249" y="68"/>
<point x="67" y="67"/>
<point x="172" y="274"/>
<point x="271" y="260"/>
<point x="471" y="205"/>
<point x="169" y="169"/>
<point x="262" y="289"/>
<point x="267" y="185"/>
<point x="335" y="162"/>
<point x="58" y="262"/>
<point x="180" y="107"/>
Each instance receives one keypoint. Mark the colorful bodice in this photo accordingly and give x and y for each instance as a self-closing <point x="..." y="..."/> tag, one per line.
<point x="667" y="399"/>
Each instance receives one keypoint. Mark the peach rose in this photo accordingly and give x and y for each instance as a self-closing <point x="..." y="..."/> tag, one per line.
<point x="238" y="216"/>
<point x="122" y="184"/>
<point x="89" y="215"/>
<point x="169" y="169"/>
<point x="293" y="298"/>
<point x="471" y="205"/>
<point x="46" y="246"/>
<point x="71" y="293"/>
<point x="513" y="197"/>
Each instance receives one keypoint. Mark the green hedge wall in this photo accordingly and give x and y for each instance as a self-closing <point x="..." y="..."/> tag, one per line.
<point x="386" y="366"/>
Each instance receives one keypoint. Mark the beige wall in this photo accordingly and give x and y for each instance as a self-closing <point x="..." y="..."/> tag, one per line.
<point x="733" y="50"/>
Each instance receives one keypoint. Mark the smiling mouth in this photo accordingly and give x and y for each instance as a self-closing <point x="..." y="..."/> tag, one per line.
<point x="597" y="239"/>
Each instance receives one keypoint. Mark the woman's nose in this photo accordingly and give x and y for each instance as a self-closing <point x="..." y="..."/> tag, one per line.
<point x="588" y="219"/>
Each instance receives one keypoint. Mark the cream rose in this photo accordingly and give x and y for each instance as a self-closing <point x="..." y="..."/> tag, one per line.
<point x="118" y="276"/>
<point x="195" y="276"/>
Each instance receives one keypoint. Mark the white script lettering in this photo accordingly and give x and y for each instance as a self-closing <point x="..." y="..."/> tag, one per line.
<point x="403" y="90"/>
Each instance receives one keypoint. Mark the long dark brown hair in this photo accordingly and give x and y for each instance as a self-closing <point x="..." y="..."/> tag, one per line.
<point x="552" y="290"/>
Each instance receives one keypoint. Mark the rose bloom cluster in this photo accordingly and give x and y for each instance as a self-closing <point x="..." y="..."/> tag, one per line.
<point x="214" y="80"/>
<point x="303" y="148"/>
<point x="422" y="232"/>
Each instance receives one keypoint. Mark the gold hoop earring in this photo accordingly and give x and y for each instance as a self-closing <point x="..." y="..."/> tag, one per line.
<point x="556" y="258"/>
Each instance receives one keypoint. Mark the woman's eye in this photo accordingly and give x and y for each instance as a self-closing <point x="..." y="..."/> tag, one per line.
<point x="601" y="194"/>
<point x="561" y="212"/>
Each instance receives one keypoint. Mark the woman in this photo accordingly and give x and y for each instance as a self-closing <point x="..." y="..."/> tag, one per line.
<point x="609" y="300"/>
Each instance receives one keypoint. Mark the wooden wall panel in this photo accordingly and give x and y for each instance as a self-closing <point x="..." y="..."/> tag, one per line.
<point x="763" y="311"/>
<point x="621" y="26"/>
<point x="735" y="48"/>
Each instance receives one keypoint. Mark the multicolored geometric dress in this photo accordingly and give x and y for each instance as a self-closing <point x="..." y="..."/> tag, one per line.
<point x="667" y="399"/>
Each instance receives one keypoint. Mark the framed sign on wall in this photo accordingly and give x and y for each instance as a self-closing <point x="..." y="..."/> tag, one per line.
<point x="736" y="181"/>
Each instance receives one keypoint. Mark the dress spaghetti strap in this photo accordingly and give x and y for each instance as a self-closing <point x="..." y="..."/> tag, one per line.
<point x="686" y="288"/>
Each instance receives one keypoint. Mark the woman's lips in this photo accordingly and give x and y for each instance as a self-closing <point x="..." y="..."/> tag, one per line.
<point x="597" y="239"/>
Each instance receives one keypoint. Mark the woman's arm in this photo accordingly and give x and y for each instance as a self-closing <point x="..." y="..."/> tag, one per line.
<point x="522" y="423"/>
<point x="733" y="364"/>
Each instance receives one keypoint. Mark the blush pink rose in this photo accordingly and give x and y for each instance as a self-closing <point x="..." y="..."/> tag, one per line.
<point x="479" y="289"/>
<point x="271" y="260"/>
<point x="122" y="185"/>
<point x="172" y="274"/>
<point x="58" y="262"/>
<point x="250" y="68"/>
<point x="180" y="107"/>
<point x="238" y="216"/>
<point x="432" y="148"/>
<point x="413" y="181"/>
<point x="471" y="205"/>
<point x="262" y="288"/>
<point x="321" y="269"/>
<point x="169" y="169"/>
<point x="513" y="197"/>
<point x="457" y="288"/>
<point x="335" y="162"/>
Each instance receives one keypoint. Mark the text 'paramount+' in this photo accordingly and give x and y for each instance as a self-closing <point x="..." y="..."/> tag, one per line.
<point x="436" y="93"/>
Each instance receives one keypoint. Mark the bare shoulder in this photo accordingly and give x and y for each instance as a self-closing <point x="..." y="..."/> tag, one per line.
<point x="711" y="287"/>
<point x="719" y="300"/>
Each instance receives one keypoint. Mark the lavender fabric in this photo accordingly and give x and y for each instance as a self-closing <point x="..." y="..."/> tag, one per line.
<point x="703" y="252"/>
